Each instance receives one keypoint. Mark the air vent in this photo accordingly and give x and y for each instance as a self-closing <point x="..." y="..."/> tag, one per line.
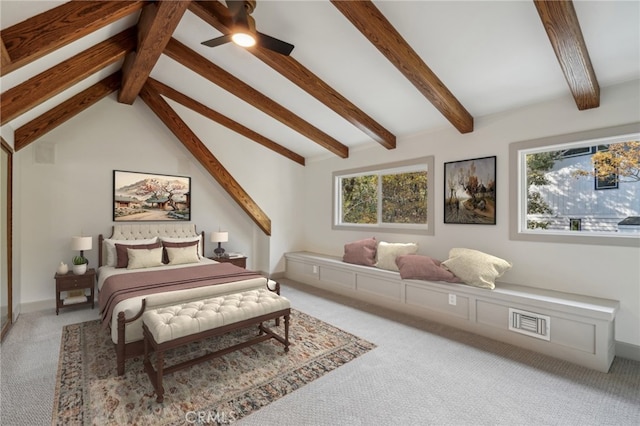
<point x="529" y="323"/>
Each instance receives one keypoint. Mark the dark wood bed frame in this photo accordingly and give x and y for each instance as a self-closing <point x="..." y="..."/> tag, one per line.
<point x="129" y="350"/>
<point x="124" y="350"/>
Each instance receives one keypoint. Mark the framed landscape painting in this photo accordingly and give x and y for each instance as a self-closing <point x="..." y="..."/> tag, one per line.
<point x="150" y="197"/>
<point x="470" y="191"/>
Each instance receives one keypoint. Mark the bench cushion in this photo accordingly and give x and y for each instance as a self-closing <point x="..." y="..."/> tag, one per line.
<point x="172" y="322"/>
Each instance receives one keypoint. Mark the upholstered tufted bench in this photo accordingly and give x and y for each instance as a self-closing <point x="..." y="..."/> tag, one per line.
<point x="173" y="326"/>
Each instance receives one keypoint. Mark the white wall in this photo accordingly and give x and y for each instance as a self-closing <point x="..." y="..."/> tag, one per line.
<point x="69" y="191"/>
<point x="602" y="271"/>
<point x="72" y="194"/>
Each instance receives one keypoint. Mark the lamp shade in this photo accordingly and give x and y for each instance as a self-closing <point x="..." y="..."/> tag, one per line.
<point x="219" y="237"/>
<point x="81" y="243"/>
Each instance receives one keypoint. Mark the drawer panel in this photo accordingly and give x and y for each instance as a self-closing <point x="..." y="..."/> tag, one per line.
<point x="493" y="314"/>
<point x="301" y="269"/>
<point x="71" y="283"/>
<point x="338" y="276"/>
<point x="574" y="334"/>
<point x="428" y="299"/>
<point x="379" y="287"/>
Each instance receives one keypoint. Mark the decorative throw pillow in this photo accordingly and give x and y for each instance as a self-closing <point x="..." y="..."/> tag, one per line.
<point x="109" y="246"/>
<point x="195" y="244"/>
<point x="388" y="252"/>
<point x="197" y="238"/>
<point x="182" y="255"/>
<point x="476" y="268"/>
<point x="361" y="252"/>
<point x="415" y="266"/>
<point x="122" y="258"/>
<point x="145" y="258"/>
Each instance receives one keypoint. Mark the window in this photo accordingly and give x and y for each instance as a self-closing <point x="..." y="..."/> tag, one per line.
<point x="552" y="190"/>
<point x="605" y="171"/>
<point x="574" y="152"/>
<point x="575" y="224"/>
<point x="391" y="197"/>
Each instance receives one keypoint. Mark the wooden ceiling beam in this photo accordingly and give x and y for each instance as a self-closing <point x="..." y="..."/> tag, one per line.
<point x="200" y="65"/>
<point x="68" y="109"/>
<point x="205" y="111"/>
<point x="378" y="30"/>
<point x="215" y="14"/>
<point x="42" y="34"/>
<point x="199" y="150"/>
<point x="157" y="23"/>
<point x="47" y="84"/>
<point x="563" y="29"/>
<point x="6" y="58"/>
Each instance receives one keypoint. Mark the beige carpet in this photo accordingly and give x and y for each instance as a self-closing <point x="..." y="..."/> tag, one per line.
<point x="223" y="390"/>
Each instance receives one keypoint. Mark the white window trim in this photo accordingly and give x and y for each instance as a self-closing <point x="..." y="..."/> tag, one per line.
<point x="518" y="196"/>
<point x="428" y="229"/>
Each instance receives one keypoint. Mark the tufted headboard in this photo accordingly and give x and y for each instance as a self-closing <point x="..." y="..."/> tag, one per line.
<point x="132" y="232"/>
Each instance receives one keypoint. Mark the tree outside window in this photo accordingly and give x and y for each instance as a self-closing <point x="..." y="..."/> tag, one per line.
<point x="394" y="196"/>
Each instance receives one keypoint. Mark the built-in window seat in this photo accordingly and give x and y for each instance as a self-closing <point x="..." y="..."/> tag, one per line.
<point x="576" y="328"/>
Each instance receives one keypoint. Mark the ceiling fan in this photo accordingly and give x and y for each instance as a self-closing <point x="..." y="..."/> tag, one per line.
<point x="243" y="31"/>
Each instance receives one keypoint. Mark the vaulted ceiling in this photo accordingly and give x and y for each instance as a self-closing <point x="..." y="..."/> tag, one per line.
<point x="361" y="72"/>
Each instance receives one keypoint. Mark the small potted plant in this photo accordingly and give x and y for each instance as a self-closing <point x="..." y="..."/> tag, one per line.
<point x="80" y="265"/>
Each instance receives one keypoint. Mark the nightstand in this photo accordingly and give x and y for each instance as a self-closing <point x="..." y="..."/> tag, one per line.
<point x="240" y="261"/>
<point x="70" y="281"/>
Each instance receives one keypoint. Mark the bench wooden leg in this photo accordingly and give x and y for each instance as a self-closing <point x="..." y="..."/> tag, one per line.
<point x="286" y="333"/>
<point x="155" y="376"/>
<point x="159" y="368"/>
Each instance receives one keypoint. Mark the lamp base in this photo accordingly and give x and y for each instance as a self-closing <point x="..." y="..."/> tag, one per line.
<point x="219" y="252"/>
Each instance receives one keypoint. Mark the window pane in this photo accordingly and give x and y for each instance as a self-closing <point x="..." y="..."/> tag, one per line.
<point x="564" y="192"/>
<point x="360" y="199"/>
<point x="392" y="197"/>
<point x="404" y="198"/>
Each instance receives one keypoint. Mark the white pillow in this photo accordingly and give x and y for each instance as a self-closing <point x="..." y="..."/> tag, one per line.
<point x="476" y="268"/>
<point x="144" y="258"/>
<point x="387" y="253"/>
<point x="110" y="247"/>
<point x="197" y="238"/>
<point x="181" y="255"/>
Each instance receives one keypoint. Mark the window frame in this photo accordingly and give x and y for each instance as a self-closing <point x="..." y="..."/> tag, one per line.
<point x="518" y="193"/>
<point x="426" y="229"/>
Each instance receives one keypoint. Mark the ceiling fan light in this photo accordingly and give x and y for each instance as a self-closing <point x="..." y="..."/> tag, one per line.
<point x="243" y="39"/>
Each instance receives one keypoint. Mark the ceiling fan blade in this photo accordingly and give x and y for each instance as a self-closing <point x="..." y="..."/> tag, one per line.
<point x="217" y="41"/>
<point x="271" y="43"/>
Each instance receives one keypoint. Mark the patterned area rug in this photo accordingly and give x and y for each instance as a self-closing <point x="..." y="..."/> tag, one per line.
<point x="219" y="391"/>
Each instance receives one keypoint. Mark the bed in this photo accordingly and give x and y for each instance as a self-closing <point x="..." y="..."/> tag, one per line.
<point x="131" y="280"/>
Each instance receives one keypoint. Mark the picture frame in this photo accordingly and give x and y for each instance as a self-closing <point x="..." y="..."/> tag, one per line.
<point x="470" y="191"/>
<point x="150" y="197"/>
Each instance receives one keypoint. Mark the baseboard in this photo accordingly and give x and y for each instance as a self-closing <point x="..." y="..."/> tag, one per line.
<point x="272" y="276"/>
<point x="40" y="305"/>
<point x="628" y="351"/>
<point x="277" y="275"/>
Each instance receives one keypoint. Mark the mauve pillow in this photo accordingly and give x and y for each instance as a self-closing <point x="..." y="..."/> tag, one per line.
<point x="122" y="258"/>
<point x="361" y="252"/>
<point x="418" y="267"/>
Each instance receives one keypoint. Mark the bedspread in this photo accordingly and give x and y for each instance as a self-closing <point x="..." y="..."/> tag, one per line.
<point x="121" y="287"/>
